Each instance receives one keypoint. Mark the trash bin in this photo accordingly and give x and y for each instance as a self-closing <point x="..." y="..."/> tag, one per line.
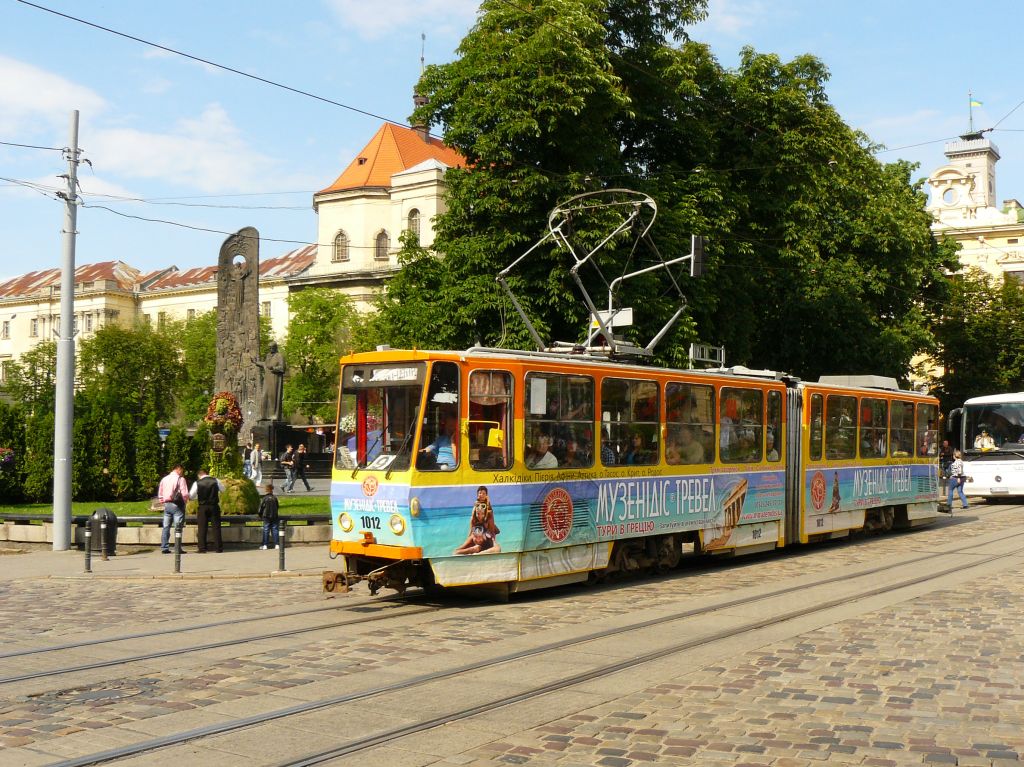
<point x="98" y="517"/>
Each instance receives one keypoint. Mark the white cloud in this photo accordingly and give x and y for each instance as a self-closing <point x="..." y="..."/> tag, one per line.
<point x="373" y="21"/>
<point x="730" y="18"/>
<point x="204" y="152"/>
<point x="35" y="102"/>
<point x="157" y="86"/>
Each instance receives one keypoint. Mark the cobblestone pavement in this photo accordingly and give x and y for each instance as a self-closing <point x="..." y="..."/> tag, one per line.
<point x="936" y="681"/>
<point x="842" y="688"/>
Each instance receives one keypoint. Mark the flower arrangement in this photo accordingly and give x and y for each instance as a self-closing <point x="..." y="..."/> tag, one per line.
<point x="6" y="457"/>
<point x="224" y="412"/>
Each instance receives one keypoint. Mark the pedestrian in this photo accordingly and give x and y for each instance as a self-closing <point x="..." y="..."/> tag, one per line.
<point x="945" y="458"/>
<point x="956" y="481"/>
<point x="247" y="460"/>
<point x="172" y="492"/>
<point x="256" y="472"/>
<point x="287" y="462"/>
<point x="206" y="490"/>
<point x="269" y="514"/>
<point x="299" y="467"/>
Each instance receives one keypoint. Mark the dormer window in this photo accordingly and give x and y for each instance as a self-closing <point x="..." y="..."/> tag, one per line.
<point x="361" y="161"/>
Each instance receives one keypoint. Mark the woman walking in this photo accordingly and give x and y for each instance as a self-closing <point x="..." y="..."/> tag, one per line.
<point x="956" y="481"/>
<point x="256" y="465"/>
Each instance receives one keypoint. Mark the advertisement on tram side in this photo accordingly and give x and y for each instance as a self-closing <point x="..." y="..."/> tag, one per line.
<point x="831" y="490"/>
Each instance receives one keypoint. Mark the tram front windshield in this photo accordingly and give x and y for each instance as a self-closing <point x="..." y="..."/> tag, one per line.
<point x="994" y="428"/>
<point x="377" y="415"/>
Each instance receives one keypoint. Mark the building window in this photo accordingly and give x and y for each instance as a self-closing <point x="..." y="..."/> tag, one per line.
<point x="33" y="329"/>
<point x="1018" y="277"/>
<point x="266" y="309"/>
<point x="147" y="318"/>
<point x="5" y="331"/>
<point x="5" y="369"/>
<point x="74" y="324"/>
<point x="190" y="314"/>
<point x="340" y="248"/>
<point x="414" y="224"/>
<point x="382" y="246"/>
<point x="1012" y="241"/>
<point x="88" y="323"/>
<point x="161" y="319"/>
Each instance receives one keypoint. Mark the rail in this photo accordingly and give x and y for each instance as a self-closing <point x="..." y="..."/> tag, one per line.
<point x="157" y="519"/>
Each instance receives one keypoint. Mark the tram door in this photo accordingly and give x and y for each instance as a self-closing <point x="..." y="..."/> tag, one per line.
<point x="794" y="463"/>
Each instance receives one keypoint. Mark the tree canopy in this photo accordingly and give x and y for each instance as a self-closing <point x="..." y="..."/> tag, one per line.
<point x="819" y="255"/>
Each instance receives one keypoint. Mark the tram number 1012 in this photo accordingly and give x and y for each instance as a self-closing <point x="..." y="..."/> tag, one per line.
<point x="370" y="523"/>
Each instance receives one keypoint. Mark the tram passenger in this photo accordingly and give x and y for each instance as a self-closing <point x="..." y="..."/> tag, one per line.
<point x="636" y="454"/>
<point x="573" y="459"/>
<point x="542" y="457"/>
<point x="608" y="457"/>
<point x="773" y="454"/>
<point x="442" y="449"/>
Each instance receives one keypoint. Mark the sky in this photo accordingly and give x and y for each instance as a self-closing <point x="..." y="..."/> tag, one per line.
<point x="177" y="147"/>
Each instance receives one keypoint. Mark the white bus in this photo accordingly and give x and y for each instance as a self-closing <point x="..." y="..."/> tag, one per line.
<point x="991" y="435"/>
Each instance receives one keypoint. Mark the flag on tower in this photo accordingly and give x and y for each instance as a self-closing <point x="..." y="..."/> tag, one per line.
<point x="975" y="103"/>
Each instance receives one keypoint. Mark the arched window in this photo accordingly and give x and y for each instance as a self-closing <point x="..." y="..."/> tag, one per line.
<point x="414" y="224"/>
<point x="383" y="245"/>
<point x="340" y="247"/>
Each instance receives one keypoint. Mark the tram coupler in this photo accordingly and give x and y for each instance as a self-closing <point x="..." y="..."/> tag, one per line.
<point x="335" y="583"/>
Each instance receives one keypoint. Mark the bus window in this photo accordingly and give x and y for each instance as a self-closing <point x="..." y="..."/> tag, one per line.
<point x="490" y="419"/>
<point x="629" y="414"/>
<point x="927" y="430"/>
<point x="773" y="434"/>
<point x="817" y="427"/>
<point x="874" y="416"/>
<point x="559" y="421"/>
<point x="439" y="441"/>
<point x="840" y="427"/>
<point x="690" y="418"/>
<point x="741" y="433"/>
<point x="901" y="429"/>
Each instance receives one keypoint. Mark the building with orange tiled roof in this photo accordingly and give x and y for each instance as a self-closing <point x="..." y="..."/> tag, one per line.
<point x="396" y="183"/>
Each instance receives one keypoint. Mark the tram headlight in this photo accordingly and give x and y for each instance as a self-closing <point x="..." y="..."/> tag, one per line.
<point x="414" y="507"/>
<point x="397" y="524"/>
<point x="346" y="522"/>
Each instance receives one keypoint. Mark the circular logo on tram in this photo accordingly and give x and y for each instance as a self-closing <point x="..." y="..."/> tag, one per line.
<point x="556" y="515"/>
<point x="818" y="490"/>
<point x="370" y="487"/>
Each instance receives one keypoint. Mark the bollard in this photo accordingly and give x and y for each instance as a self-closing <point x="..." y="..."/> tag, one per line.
<point x="280" y="546"/>
<point x="177" y="549"/>
<point x="88" y="548"/>
<point x="103" y="539"/>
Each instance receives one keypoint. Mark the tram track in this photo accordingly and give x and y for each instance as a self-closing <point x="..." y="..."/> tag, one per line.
<point x="284" y="633"/>
<point x="391" y="734"/>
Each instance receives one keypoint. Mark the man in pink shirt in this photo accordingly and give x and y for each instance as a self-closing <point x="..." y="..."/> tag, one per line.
<point x="166" y="495"/>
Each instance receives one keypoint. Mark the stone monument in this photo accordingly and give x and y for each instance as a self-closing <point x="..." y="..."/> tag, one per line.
<point x="238" y="328"/>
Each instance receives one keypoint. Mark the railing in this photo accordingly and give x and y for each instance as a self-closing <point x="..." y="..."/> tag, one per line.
<point x="157" y="519"/>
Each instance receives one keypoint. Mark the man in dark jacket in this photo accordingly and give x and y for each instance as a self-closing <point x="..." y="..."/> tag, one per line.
<point x="206" y="491"/>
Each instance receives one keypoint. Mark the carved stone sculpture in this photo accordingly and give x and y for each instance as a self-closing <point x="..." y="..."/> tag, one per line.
<point x="273" y="384"/>
<point x="238" y="329"/>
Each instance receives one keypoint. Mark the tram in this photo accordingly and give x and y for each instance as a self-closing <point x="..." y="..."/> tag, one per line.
<point x="517" y="470"/>
<point x="990" y="432"/>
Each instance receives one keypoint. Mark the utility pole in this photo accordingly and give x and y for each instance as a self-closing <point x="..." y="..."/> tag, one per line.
<point x="65" y="394"/>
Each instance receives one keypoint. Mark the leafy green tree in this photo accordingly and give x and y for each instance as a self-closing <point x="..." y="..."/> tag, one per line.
<point x="12" y="436"/>
<point x="322" y="326"/>
<point x="32" y="378"/>
<point x="39" y="457"/>
<point x="86" y="460"/>
<point x="147" y="457"/>
<point x="820" y="258"/>
<point x="120" y="465"/>
<point x="130" y="370"/>
<point x="196" y="342"/>
<point x="980" y="337"/>
<point x="177" y="448"/>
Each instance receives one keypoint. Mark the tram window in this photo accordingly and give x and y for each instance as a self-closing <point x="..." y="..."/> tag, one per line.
<point x="440" y="440"/>
<point x="690" y="423"/>
<point x="840" y="427"/>
<point x="630" y="419"/>
<point x="490" y="419"/>
<point x="901" y="429"/>
<point x="927" y="431"/>
<point x="873" y="418"/>
<point x="773" y="434"/>
<point x="817" y="428"/>
<point x="559" y="421"/>
<point x="741" y="425"/>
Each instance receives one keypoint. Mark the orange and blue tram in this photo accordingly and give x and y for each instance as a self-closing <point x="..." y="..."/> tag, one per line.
<point x="522" y="470"/>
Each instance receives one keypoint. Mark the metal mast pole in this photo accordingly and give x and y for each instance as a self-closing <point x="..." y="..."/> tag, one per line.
<point x="65" y="403"/>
